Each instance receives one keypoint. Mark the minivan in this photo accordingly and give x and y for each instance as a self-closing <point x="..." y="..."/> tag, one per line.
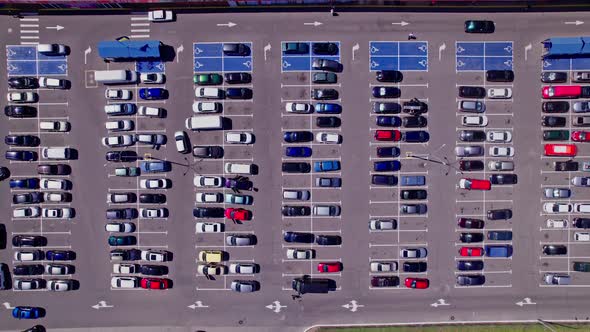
<point x="204" y="122"/>
<point x="499" y="251"/>
<point x="236" y="168"/>
<point x="413" y="180"/>
<point x="307" y="284"/>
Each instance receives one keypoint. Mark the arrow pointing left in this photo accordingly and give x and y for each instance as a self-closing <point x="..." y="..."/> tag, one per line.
<point x="57" y="27"/>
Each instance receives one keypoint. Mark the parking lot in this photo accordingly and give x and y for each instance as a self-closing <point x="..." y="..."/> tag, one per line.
<point x="303" y="171"/>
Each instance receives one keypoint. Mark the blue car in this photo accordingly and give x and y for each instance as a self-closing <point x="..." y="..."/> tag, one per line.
<point x="416" y="136"/>
<point x="60" y="255"/>
<point x="126" y="240"/>
<point x="298" y="151"/>
<point x="298" y="237"/>
<point x="388" y="151"/>
<point x="27" y="312"/>
<point x="388" y="121"/>
<point x="387" y="166"/>
<point x="326" y="166"/>
<point x="24" y="183"/>
<point x="156" y="166"/>
<point x="20" y="155"/>
<point x="297" y="136"/>
<point x="328" y="108"/>
<point x="152" y="93"/>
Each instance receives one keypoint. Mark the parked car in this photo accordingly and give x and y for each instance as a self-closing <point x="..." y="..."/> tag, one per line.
<point x="499" y="75"/>
<point x="553" y="77"/>
<point x="386" y="92"/>
<point x="475" y="26"/>
<point x="472" y="92"/>
<point x="391" y="76"/>
<point x="327" y="65"/>
<point x="499" y="214"/>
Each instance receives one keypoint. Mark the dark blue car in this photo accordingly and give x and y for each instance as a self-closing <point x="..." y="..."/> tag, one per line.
<point x="417" y="136"/>
<point x="388" y="121"/>
<point x="469" y="265"/>
<point x="27" y="312"/>
<point x="297" y="136"/>
<point x="152" y="93"/>
<point x="387" y="166"/>
<point x="328" y="108"/>
<point x="299" y="237"/>
<point x="21" y="155"/>
<point x="155" y="166"/>
<point x="24" y="183"/>
<point x="384" y="180"/>
<point x="388" y="151"/>
<point x="298" y="151"/>
<point x="60" y="255"/>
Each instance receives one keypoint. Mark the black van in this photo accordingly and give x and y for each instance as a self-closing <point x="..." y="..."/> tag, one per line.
<point x="306" y="284"/>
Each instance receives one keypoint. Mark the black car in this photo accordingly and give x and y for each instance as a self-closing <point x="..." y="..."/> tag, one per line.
<point x="392" y="76"/>
<point x="388" y="281"/>
<point x="152" y="198"/>
<point x="388" y="151"/>
<point x="553" y="77"/>
<point x="499" y="214"/>
<point x="554" y="249"/>
<point x="503" y="178"/>
<point x="384" y="180"/>
<point x="499" y="75"/>
<point x="581" y="222"/>
<point x="29" y="241"/>
<point x="413" y="194"/>
<point x="54" y="169"/>
<point x="475" y="26"/>
<point x="208" y="212"/>
<point x="23" y="82"/>
<point x="36" y="328"/>
<point x="325" y="48"/>
<point x="414" y="107"/>
<point x="469" y="265"/>
<point x="471" y="237"/>
<point x="4" y="173"/>
<point x="414" y="122"/>
<point x="153" y="270"/>
<point x="297" y="136"/>
<point x="388" y="121"/>
<point x="418" y="136"/>
<point x="20" y="111"/>
<point x="556" y="135"/>
<point x="471" y="165"/>
<point x="553" y="121"/>
<point x="328" y="122"/>
<point x="472" y="136"/>
<point x="328" y="240"/>
<point x="324" y="78"/>
<point x="386" y="92"/>
<point x="27" y="198"/>
<point x="238" y="93"/>
<point x="324" y="94"/>
<point x="210" y="151"/>
<point x="121" y="156"/>
<point x="471" y="280"/>
<point x="22" y="140"/>
<point x="555" y="106"/>
<point x="565" y="166"/>
<point x="295" y="211"/>
<point x="299" y="237"/>
<point x="127" y="213"/>
<point x="28" y="270"/>
<point x="126" y="254"/>
<point x="470" y="223"/>
<point x="386" y="108"/>
<point x="472" y="92"/>
<point x="296" y="167"/>
<point x="235" y="49"/>
<point x="585" y="92"/>
<point x="414" y="266"/>
<point x="238" y="78"/>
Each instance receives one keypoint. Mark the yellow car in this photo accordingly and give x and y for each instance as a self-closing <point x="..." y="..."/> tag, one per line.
<point x="211" y="256"/>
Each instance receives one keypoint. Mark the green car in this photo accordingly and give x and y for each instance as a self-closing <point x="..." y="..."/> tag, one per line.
<point x="295" y="48"/>
<point x="556" y="135"/>
<point x="208" y="79"/>
<point x="582" y="266"/>
<point x="324" y="78"/>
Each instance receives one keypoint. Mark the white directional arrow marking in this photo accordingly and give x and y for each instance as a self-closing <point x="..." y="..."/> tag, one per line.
<point x="197" y="304"/>
<point x="276" y="306"/>
<point x="315" y="24"/>
<point x="440" y="49"/>
<point x="102" y="304"/>
<point x="402" y="23"/>
<point x="228" y="24"/>
<point x="178" y="50"/>
<point x="526" y="300"/>
<point x="7" y="305"/>
<point x="57" y="27"/>
<point x="526" y="51"/>
<point x="266" y="49"/>
<point x="355" y="48"/>
<point x="352" y="306"/>
<point x="439" y="302"/>
<point x="575" y="22"/>
<point x="86" y="52"/>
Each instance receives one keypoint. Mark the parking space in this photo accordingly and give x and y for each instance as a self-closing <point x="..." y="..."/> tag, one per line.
<point x="398" y="55"/>
<point x="483" y="55"/>
<point x="302" y="60"/>
<point x="24" y="60"/>
<point x="209" y="57"/>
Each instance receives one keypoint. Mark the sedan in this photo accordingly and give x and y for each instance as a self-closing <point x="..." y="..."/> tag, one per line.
<point x="121" y="156"/>
<point x="154" y="283"/>
<point x="327" y="65"/>
<point x="557" y="107"/>
<point x="389" y="151"/>
<point x="324" y="78"/>
<point x="386" y="166"/>
<point x="580" y="181"/>
<point x="324" y="94"/>
<point x="500" y="93"/>
<point x="236" y="49"/>
<point x="499" y="136"/>
<point x="152" y="198"/>
<point x="474" y="26"/>
<point x="153" y="93"/>
<point x="21" y="155"/>
<point x="20" y="111"/>
<point x="581" y="136"/>
<point x="295" y="48"/>
<point x="413" y="209"/>
<point x="245" y="286"/>
<point x="155" y="255"/>
<point x="27" y="198"/>
<point x="328" y="182"/>
<point x="553" y="77"/>
<point x="237" y="137"/>
<point x="557" y="208"/>
<point x="469" y="151"/>
<point x="388" y="135"/>
<point x="155" y="183"/>
<point x="298" y="151"/>
<point x="413" y="253"/>
<point x="125" y="282"/>
<point x="238" y="199"/>
<point x="329" y="267"/>
<point x="300" y="253"/>
<point x="328" y="122"/>
<point x="470" y="265"/>
<point x="117" y="94"/>
<point x="204" y="197"/>
<point x="153" y="213"/>
<point x="391" y="76"/>
<point x="501" y="151"/>
<point x="21" y="140"/>
<point x="325" y="48"/>
<point x="389" y="281"/>
<point x="472" y="92"/>
<point x="474" y="120"/>
<point x="126" y="240"/>
<point x="301" y="108"/>
<point x="160" y="16"/>
<point x="471" y="237"/>
<point x="553" y="121"/>
<point x="470" y="280"/>
<point x="237" y="78"/>
<point x="60" y="255"/>
<point x="470" y="223"/>
<point x="471" y="251"/>
<point x="472" y="136"/>
<point x="471" y="165"/>
<point x="209" y="227"/>
<point x="557" y="192"/>
<point x="238" y="93"/>
<point x="295" y="211"/>
<point x="328" y="108"/>
<point x="581" y="106"/>
<point x="238" y="214"/>
<point x="57" y="213"/>
<point x="60" y="285"/>
<point x="382" y="224"/>
<point x="22" y="97"/>
<point x="388" y="121"/>
<point x="499" y="214"/>
<point x="383" y="266"/>
<point x="418" y="283"/>
<point x="118" y="141"/>
<point x="503" y="178"/>
<point x="328" y="138"/>
<point x="21" y="312"/>
<point x="386" y="92"/>
<point x="207" y="79"/>
<point x="414" y="122"/>
<point x="297" y="136"/>
<point x="22" y="82"/>
<point x="554" y="249"/>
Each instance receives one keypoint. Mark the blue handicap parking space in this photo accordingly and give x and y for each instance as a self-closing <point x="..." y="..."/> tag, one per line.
<point x="566" y="64"/>
<point x="22" y="68"/>
<point x="209" y="57"/>
<point x="21" y="53"/>
<point x="53" y="68"/>
<point x="398" y="55"/>
<point x="303" y="62"/>
<point x="481" y="56"/>
<point x="150" y="66"/>
<point x="25" y="60"/>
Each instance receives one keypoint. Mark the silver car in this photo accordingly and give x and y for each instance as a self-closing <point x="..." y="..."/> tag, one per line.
<point x="382" y="224"/>
<point x="469" y="151"/>
<point x="580" y="181"/>
<point x="244" y="268"/>
<point x="581" y="106"/>
<point x="413" y="209"/>
<point x="472" y="106"/>
<point x="556" y="279"/>
<point x="245" y="286"/>
<point x="557" y="192"/>
<point x="413" y="253"/>
<point x="499" y="165"/>
<point x="240" y="240"/>
<point x="383" y="266"/>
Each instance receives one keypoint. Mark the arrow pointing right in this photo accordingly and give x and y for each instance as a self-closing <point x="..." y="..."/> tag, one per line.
<point x="402" y="23"/>
<point x="576" y="22"/>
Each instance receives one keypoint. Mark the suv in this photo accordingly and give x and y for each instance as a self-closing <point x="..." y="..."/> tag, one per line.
<point x="499" y="214"/>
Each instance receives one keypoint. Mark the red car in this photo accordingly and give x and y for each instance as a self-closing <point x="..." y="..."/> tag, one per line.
<point x="388" y="135"/>
<point x="562" y="91"/>
<point x="581" y="136"/>
<point x="560" y="150"/>
<point x="238" y="214"/>
<point x="418" y="283"/>
<point x="328" y="267"/>
<point x="475" y="184"/>
<point x="471" y="251"/>
<point x="154" y="283"/>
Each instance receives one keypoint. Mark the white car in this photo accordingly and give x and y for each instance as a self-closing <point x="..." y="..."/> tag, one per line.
<point x="125" y="282"/>
<point x="53" y="83"/>
<point x="52" y="49"/>
<point x="152" y="213"/>
<point x="557" y="207"/>
<point x="383" y="266"/>
<point x="209" y="93"/>
<point x="118" y="141"/>
<point x="57" y="213"/>
<point x="152" y="78"/>
<point x="161" y="15"/>
<point x="28" y="256"/>
<point x="211" y="269"/>
<point x="58" y="285"/>
<point x="122" y="227"/>
<point x="209" y="197"/>
<point x="150" y="139"/>
<point x="125" y="268"/>
<point x="27" y="284"/>
<point x="301" y="108"/>
<point x="154" y="255"/>
<point x="26" y="212"/>
<point x="182" y="142"/>
<point x="154" y="183"/>
<point x="59" y="126"/>
<point x="54" y="197"/>
<point x="499" y="136"/>
<point x="243" y="268"/>
<point x="300" y="253"/>
<point x="209" y="227"/>
<point x="556" y="223"/>
<point x="500" y="165"/>
<point x="59" y="269"/>
<point x="500" y="93"/>
<point x="22" y="97"/>
<point x="206" y="107"/>
<point x="501" y="151"/>
<point x="152" y="112"/>
<point x="208" y="181"/>
<point x="117" y="94"/>
<point x="328" y="138"/>
<point x="474" y="120"/>
<point x="120" y="125"/>
<point x="382" y="224"/>
<point x="60" y="184"/>
<point x="239" y="137"/>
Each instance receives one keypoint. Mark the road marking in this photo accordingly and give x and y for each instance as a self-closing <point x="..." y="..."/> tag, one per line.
<point x="525" y="301"/>
<point x="139" y="18"/>
<point x="102" y="304"/>
<point x="140" y="24"/>
<point x="352" y="306"/>
<point x="439" y="302"/>
<point x="275" y="306"/>
<point x="140" y="36"/>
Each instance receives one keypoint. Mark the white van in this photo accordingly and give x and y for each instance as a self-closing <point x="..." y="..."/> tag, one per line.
<point x="234" y="168"/>
<point x="115" y="76"/>
<point x="579" y="236"/>
<point x="58" y="153"/>
<point x="205" y="122"/>
<point x="582" y="207"/>
<point x="61" y="126"/>
<point x="52" y="49"/>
